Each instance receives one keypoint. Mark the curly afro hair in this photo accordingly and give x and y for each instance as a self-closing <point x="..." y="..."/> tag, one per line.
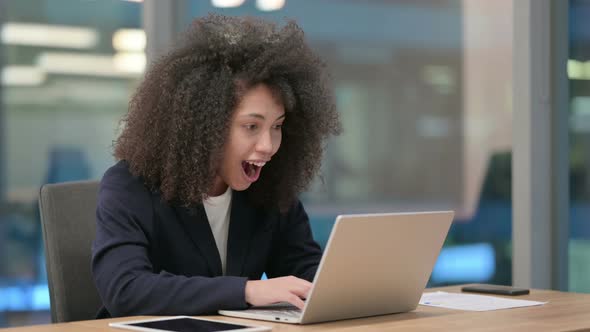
<point x="179" y="117"/>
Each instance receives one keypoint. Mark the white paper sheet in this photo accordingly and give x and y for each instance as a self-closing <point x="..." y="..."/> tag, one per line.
<point x="472" y="302"/>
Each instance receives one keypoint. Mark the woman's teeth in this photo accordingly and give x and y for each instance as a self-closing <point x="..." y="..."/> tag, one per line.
<point x="259" y="164"/>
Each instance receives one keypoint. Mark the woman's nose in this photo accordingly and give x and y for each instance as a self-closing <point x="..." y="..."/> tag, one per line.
<point x="264" y="144"/>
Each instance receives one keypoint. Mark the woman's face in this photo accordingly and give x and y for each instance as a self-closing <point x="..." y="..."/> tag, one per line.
<point x="254" y="137"/>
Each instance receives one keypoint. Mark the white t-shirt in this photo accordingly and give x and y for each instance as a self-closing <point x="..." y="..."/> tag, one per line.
<point x="218" y="212"/>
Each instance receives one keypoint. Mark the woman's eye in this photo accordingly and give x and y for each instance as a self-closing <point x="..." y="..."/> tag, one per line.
<point x="250" y="126"/>
<point x="278" y="127"/>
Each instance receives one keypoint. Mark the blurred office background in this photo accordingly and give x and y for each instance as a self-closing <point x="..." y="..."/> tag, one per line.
<point x="424" y="88"/>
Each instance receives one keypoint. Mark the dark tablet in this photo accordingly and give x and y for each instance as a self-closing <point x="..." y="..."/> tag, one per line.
<point x="185" y="324"/>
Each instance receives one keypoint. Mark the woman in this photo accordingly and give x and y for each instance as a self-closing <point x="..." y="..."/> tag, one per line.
<point x="220" y="138"/>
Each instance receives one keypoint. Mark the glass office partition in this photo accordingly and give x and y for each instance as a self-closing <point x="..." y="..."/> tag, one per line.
<point x="423" y="88"/>
<point x="424" y="91"/>
<point x="579" y="113"/>
<point x="68" y="68"/>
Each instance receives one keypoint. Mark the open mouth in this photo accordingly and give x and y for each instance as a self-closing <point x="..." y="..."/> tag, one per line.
<point x="252" y="169"/>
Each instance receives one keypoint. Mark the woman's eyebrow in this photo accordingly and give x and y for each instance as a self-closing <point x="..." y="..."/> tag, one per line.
<point x="260" y="116"/>
<point x="254" y="115"/>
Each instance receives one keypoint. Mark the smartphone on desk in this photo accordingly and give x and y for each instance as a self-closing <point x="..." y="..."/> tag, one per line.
<point x="495" y="289"/>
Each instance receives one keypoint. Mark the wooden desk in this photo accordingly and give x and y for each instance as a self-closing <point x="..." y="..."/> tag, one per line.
<point x="565" y="311"/>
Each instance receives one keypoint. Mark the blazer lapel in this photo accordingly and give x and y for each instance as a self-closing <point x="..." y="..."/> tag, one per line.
<point x="197" y="226"/>
<point x="242" y="225"/>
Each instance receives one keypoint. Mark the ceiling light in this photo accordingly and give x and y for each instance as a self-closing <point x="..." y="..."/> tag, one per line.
<point x="82" y="64"/>
<point x="226" y="3"/>
<point x="586" y="67"/>
<point x="22" y="76"/>
<point x="575" y="69"/>
<point x="130" y="62"/>
<point x="130" y="40"/>
<point x="48" y="35"/>
<point x="270" y="5"/>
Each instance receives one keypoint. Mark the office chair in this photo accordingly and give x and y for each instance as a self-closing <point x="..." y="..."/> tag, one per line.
<point x="68" y="224"/>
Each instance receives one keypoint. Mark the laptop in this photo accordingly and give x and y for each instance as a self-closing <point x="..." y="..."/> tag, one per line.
<point x="374" y="264"/>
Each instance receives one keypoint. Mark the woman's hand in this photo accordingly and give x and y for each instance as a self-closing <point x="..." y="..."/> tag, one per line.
<point x="284" y="289"/>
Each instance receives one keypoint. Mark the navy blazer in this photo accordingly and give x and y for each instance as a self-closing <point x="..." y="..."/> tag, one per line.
<point x="153" y="258"/>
